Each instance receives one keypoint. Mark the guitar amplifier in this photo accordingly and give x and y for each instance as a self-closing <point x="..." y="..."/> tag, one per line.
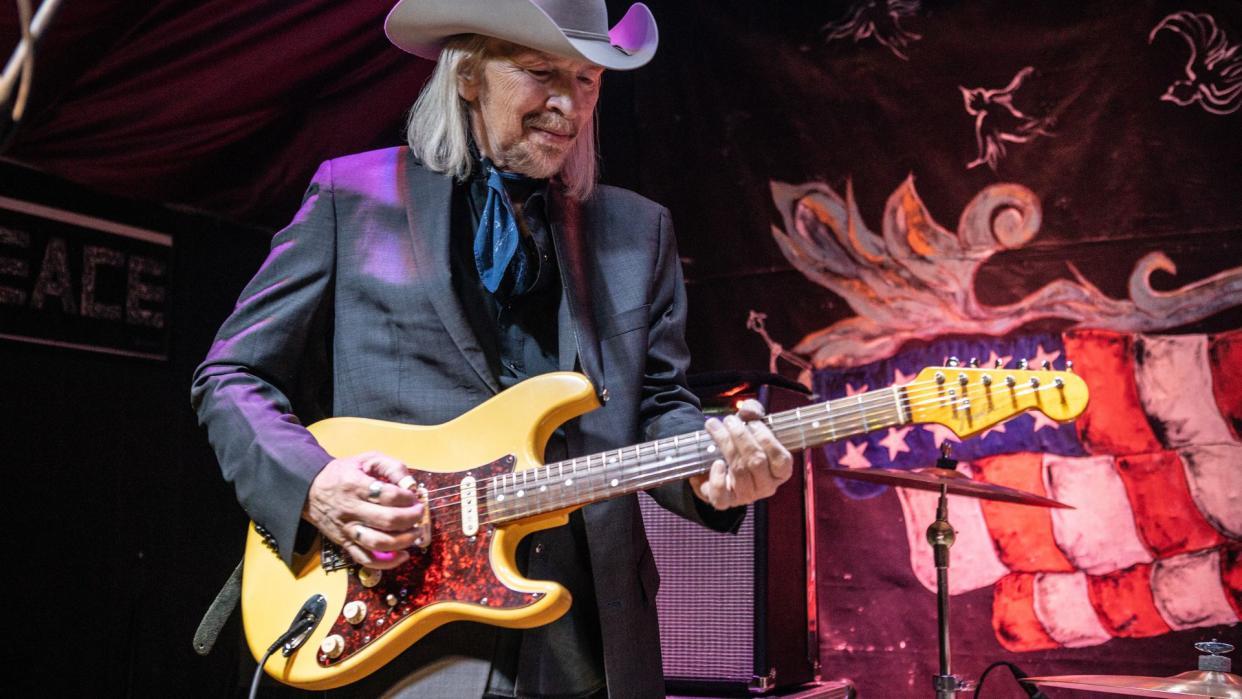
<point x="734" y="607"/>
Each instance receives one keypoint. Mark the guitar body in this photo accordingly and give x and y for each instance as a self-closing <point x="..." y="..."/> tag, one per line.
<point x="456" y="578"/>
<point x="480" y="510"/>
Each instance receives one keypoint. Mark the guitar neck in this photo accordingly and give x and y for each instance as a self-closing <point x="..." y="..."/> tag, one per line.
<point x="587" y="479"/>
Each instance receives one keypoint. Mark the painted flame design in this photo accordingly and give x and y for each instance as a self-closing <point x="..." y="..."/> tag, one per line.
<point x="916" y="280"/>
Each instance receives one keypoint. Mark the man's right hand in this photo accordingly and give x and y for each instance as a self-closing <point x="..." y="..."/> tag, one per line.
<point x="374" y="531"/>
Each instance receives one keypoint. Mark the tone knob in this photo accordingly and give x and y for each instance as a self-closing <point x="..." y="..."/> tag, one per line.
<point x="332" y="646"/>
<point x="355" y="612"/>
<point x="369" y="577"/>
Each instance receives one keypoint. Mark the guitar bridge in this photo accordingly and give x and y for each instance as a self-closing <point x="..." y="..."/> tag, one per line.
<point x="331" y="557"/>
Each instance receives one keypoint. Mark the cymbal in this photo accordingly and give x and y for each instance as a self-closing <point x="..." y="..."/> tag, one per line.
<point x="956" y="482"/>
<point x="1196" y="683"/>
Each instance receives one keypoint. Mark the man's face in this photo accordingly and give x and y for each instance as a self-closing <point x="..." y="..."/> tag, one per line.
<point x="528" y="107"/>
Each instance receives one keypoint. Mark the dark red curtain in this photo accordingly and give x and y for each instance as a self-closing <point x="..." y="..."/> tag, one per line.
<point x="222" y="106"/>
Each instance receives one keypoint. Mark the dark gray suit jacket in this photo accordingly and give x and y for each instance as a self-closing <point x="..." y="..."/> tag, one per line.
<point x="353" y="313"/>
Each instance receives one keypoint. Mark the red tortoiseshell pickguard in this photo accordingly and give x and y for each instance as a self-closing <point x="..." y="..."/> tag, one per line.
<point x="454" y="568"/>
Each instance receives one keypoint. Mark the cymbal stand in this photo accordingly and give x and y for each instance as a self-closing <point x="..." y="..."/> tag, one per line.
<point x="940" y="535"/>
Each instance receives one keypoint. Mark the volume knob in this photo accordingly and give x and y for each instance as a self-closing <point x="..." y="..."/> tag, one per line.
<point x="355" y="612"/>
<point x="369" y="577"/>
<point x="332" y="646"/>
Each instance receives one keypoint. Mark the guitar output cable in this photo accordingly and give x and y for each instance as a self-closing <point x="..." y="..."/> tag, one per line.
<point x="307" y="619"/>
<point x="1031" y="690"/>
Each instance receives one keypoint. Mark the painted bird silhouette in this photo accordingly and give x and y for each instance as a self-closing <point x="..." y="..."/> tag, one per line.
<point x="1214" y="70"/>
<point x="998" y="121"/>
<point x="876" y="18"/>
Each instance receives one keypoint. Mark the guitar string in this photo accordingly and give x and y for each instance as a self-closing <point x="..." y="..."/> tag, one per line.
<point x="870" y="401"/>
<point x="635" y="461"/>
<point x="669" y="470"/>
<point x="839" y="422"/>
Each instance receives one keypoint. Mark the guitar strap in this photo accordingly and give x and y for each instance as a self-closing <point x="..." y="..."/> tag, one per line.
<point x="218" y="613"/>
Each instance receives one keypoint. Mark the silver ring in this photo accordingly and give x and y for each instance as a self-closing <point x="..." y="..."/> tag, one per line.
<point x="374" y="490"/>
<point x="358" y="532"/>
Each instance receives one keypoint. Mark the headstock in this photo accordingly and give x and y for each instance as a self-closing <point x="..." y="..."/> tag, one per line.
<point x="970" y="399"/>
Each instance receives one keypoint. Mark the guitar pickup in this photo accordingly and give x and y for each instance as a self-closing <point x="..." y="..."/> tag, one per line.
<point x="469" y="506"/>
<point x="423" y="540"/>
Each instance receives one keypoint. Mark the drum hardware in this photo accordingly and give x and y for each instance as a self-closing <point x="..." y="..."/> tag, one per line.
<point x="945" y="478"/>
<point x="1213" y="679"/>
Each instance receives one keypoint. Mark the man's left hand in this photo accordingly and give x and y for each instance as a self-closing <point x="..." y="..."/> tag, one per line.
<point x="753" y="463"/>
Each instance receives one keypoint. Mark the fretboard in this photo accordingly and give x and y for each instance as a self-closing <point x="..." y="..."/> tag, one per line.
<point x="587" y="479"/>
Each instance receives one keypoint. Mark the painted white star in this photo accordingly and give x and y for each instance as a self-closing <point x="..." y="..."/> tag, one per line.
<point x="1042" y="421"/>
<point x="1000" y="427"/>
<point x="850" y="390"/>
<point x="940" y="433"/>
<point x="900" y="377"/>
<point x="1041" y="356"/>
<point x="854" y="457"/>
<point x="993" y="356"/>
<point x="895" y="441"/>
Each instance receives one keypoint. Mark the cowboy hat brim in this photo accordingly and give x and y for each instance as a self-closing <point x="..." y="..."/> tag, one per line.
<point x="421" y="27"/>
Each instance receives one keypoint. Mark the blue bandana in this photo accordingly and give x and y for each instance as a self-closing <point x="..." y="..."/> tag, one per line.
<point x="498" y="238"/>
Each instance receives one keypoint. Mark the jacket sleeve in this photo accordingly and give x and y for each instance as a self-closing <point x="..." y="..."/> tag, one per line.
<point x="268" y="364"/>
<point x="668" y="407"/>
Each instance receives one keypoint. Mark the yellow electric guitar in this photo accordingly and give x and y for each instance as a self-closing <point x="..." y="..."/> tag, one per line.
<point x="485" y="486"/>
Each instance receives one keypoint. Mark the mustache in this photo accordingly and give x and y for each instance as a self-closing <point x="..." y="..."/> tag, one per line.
<point x="552" y="122"/>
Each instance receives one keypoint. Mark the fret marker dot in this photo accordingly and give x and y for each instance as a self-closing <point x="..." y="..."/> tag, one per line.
<point x="668" y="459"/>
<point x="711" y="448"/>
<point x="500" y="497"/>
<point x="569" y="481"/>
<point x="543" y="488"/>
<point x="612" y="460"/>
<point x="614" y="482"/>
<point x="520" y="493"/>
<point x="815" y="424"/>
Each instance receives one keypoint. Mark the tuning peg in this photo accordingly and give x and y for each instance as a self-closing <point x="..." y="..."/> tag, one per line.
<point x="1045" y="365"/>
<point x="1069" y="365"/>
<point x="974" y="362"/>
<point x="998" y="363"/>
<point x="954" y="361"/>
<point x="1022" y="364"/>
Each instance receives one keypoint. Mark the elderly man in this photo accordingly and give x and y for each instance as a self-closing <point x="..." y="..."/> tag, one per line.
<point x="415" y="283"/>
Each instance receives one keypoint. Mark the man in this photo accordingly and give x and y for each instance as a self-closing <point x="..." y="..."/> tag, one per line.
<point x="415" y="283"/>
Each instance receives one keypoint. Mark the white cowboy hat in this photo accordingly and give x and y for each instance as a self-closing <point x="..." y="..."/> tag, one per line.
<point x="575" y="28"/>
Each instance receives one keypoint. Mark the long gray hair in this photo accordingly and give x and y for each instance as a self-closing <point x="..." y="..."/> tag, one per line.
<point x="438" y="128"/>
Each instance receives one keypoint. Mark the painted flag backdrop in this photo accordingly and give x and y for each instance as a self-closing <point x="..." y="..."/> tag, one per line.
<point x="1153" y="469"/>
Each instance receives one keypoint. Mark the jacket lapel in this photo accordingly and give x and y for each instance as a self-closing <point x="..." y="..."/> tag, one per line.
<point x="428" y="204"/>
<point x="578" y="337"/>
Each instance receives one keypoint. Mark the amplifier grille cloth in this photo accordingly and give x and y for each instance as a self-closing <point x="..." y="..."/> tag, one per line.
<point x="706" y="599"/>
